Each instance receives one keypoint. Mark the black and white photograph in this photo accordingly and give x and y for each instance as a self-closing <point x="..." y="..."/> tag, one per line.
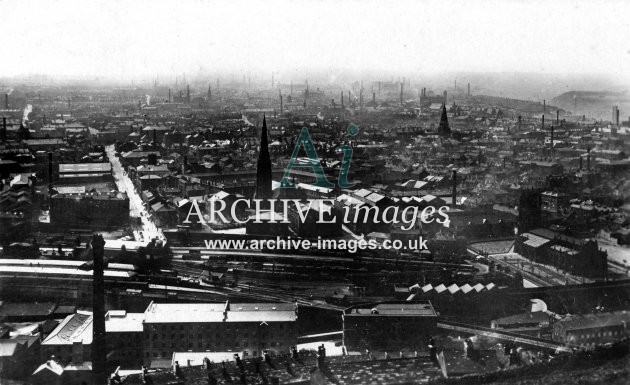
<point x="326" y="192"/>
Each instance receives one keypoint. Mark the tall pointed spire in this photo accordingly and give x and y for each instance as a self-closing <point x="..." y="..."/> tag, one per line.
<point x="443" y="128"/>
<point x="263" y="169"/>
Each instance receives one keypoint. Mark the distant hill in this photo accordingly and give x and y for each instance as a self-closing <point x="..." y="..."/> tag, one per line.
<point x="528" y="106"/>
<point x="595" y="104"/>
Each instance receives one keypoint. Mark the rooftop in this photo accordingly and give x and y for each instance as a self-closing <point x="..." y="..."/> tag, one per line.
<point x="216" y="312"/>
<point x="423" y="309"/>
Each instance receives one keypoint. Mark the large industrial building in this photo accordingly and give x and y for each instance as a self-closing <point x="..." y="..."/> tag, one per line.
<point x="389" y="326"/>
<point x="245" y="328"/>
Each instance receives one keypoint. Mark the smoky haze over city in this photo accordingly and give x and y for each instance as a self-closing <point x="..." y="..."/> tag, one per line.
<point x="314" y="192"/>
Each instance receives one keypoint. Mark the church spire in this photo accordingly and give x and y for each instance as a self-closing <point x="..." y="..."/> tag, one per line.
<point x="263" y="169"/>
<point x="443" y="128"/>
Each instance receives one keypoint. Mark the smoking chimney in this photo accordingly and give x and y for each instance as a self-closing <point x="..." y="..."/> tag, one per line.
<point x="99" y="348"/>
<point x="454" y="187"/>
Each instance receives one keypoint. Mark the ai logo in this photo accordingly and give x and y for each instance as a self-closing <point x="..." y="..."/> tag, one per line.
<point x="305" y="140"/>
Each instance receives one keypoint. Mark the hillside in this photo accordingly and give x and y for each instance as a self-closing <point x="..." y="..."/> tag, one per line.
<point x="595" y="104"/>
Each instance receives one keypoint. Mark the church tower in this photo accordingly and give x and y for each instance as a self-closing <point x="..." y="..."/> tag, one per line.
<point x="443" y="128"/>
<point x="263" y="169"/>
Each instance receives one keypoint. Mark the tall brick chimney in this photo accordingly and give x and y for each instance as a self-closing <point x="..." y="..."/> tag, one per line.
<point x="551" y="141"/>
<point x="50" y="167"/>
<point x="454" y="187"/>
<point x="3" y="136"/>
<point x="99" y="350"/>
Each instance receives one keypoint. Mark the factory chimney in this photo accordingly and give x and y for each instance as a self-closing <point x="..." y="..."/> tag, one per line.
<point x="209" y="93"/>
<point x="281" y="105"/>
<point x="342" y="100"/>
<point x="6" y="101"/>
<point x="99" y="348"/>
<point x="401" y="94"/>
<point x="552" y="142"/>
<point x="454" y="187"/>
<point x="50" y="167"/>
<point x="445" y="97"/>
<point x="557" y="117"/>
<point x="374" y="98"/>
<point x="617" y="117"/>
<point x="468" y="89"/>
<point x="188" y="93"/>
<point x="543" y="121"/>
<point x="544" y="106"/>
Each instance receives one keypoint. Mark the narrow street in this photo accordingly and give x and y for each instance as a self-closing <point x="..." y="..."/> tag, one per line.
<point x="136" y="207"/>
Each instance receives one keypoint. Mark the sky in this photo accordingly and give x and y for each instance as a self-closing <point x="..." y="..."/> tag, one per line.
<point x="125" y="39"/>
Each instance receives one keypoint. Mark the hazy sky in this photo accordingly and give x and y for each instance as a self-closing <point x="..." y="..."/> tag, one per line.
<point x="130" y="38"/>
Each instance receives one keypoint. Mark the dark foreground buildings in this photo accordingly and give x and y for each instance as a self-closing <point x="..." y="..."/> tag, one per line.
<point x="389" y="326"/>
